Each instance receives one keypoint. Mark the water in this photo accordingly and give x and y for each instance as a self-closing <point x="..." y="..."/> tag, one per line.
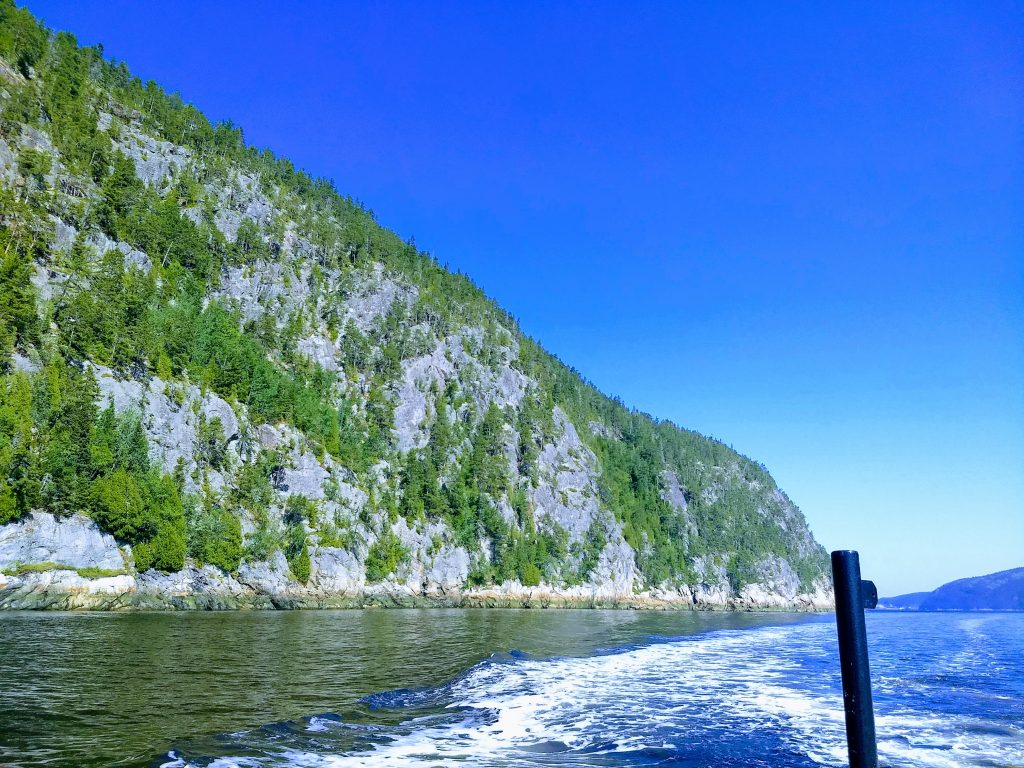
<point x="495" y="688"/>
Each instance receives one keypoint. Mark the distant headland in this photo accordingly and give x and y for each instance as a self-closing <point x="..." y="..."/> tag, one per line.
<point x="1002" y="591"/>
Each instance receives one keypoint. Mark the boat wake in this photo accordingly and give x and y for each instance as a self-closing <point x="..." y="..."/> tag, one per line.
<point x="764" y="697"/>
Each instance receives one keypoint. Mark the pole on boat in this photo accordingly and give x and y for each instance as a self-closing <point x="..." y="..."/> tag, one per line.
<point x="853" y="595"/>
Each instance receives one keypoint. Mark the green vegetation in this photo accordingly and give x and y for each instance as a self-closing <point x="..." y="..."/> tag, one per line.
<point x="19" y="324"/>
<point x="99" y="573"/>
<point x="58" y="452"/>
<point x="163" y="317"/>
<point x="21" y="569"/>
<point x="386" y="556"/>
<point x="214" y="535"/>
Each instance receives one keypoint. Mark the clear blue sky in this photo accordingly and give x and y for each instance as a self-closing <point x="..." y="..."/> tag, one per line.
<point x="797" y="228"/>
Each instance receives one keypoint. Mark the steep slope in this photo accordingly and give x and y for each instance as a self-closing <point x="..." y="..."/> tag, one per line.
<point x="225" y="384"/>
<point x="1002" y="591"/>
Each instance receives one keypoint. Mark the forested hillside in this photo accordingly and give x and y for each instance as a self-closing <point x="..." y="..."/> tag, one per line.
<point x="1001" y="591"/>
<point x="221" y="376"/>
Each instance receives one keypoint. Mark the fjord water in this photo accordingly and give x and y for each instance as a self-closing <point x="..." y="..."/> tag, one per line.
<point x="502" y="687"/>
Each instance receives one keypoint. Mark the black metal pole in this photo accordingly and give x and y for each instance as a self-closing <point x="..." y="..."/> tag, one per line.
<point x="852" y="596"/>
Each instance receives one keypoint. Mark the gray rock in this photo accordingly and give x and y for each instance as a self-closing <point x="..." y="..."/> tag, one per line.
<point x="241" y="198"/>
<point x="673" y="491"/>
<point x="603" y="430"/>
<point x="568" y="491"/>
<point x="261" y="288"/>
<point x="228" y="222"/>
<point x="269" y="437"/>
<point x="371" y="296"/>
<point x="411" y="409"/>
<point x="63" y="234"/>
<point x="320" y="350"/>
<point x="155" y="160"/>
<point x="268" y="577"/>
<point x="214" y="407"/>
<point x="306" y="477"/>
<point x="75" y="541"/>
<point x="133" y="258"/>
<point x="447" y="571"/>
<point x="8" y="164"/>
<point x="171" y="429"/>
<point x="190" y="580"/>
<point x="22" y="363"/>
<point x="336" y="571"/>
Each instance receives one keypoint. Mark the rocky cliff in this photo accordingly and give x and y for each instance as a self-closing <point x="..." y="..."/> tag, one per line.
<point x="225" y="385"/>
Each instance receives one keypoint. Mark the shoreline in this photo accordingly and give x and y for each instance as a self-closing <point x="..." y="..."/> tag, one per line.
<point x="40" y="594"/>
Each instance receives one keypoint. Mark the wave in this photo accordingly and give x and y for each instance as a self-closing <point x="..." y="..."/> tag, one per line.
<point x="763" y="697"/>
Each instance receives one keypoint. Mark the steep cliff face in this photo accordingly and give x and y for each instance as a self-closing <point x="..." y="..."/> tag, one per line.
<point x="225" y="385"/>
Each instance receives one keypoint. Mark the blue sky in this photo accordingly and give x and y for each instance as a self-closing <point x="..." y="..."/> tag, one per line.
<point x="797" y="228"/>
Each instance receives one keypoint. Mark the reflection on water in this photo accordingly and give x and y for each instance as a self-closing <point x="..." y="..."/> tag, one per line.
<point x="119" y="689"/>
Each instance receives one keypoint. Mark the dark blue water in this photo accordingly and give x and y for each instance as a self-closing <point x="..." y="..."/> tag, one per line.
<point x="949" y="691"/>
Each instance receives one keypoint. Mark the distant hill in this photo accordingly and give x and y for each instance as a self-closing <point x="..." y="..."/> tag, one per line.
<point x="1002" y="591"/>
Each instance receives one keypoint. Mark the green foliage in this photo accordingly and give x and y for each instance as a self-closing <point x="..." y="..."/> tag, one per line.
<point x="213" y="534"/>
<point x="58" y="451"/>
<point x="211" y="444"/>
<point x="19" y="449"/>
<point x="33" y="164"/>
<point x="296" y="549"/>
<point x="105" y="316"/>
<point x="146" y="513"/>
<point x="22" y="41"/>
<point x="386" y="556"/>
<point x="299" y="564"/>
<point x="337" y="533"/>
<point x="21" y="569"/>
<point x="99" y="573"/>
<point x="589" y="551"/>
<point x="300" y="509"/>
<point x="19" y="324"/>
<point x="249" y="246"/>
<point x="253" y="489"/>
<point x="120" y="507"/>
<point x="265" y="541"/>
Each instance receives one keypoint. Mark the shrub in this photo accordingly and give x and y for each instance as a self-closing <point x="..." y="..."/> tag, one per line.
<point x="99" y="573"/>
<point x="529" y="575"/>
<point x="264" y="541"/>
<point x="297" y="550"/>
<point x="9" y="508"/>
<point x="214" y="535"/>
<point x="148" y="515"/>
<point x="385" y="557"/>
<point x="119" y="507"/>
<point x="20" y="569"/>
<point x="300" y="565"/>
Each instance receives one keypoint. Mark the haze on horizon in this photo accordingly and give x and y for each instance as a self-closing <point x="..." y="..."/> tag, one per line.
<point x="798" y="230"/>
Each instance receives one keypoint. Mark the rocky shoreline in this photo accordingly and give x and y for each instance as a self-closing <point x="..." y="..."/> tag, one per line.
<point x="36" y="594"/>
<point x="47" y="563"/>
<point x="208" y="589"/>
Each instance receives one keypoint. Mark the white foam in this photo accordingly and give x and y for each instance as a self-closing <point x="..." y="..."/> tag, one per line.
<point x="748" y="682"/>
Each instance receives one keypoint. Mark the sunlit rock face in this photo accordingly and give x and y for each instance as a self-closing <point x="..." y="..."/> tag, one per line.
<point x="417" y="448"/>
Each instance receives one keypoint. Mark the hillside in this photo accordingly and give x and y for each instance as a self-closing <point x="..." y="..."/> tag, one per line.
<point x="1002" y="591"/>
<point x="225" y="384"/>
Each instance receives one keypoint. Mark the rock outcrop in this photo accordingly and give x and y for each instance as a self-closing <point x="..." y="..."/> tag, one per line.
<point x="342" y="421"/>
